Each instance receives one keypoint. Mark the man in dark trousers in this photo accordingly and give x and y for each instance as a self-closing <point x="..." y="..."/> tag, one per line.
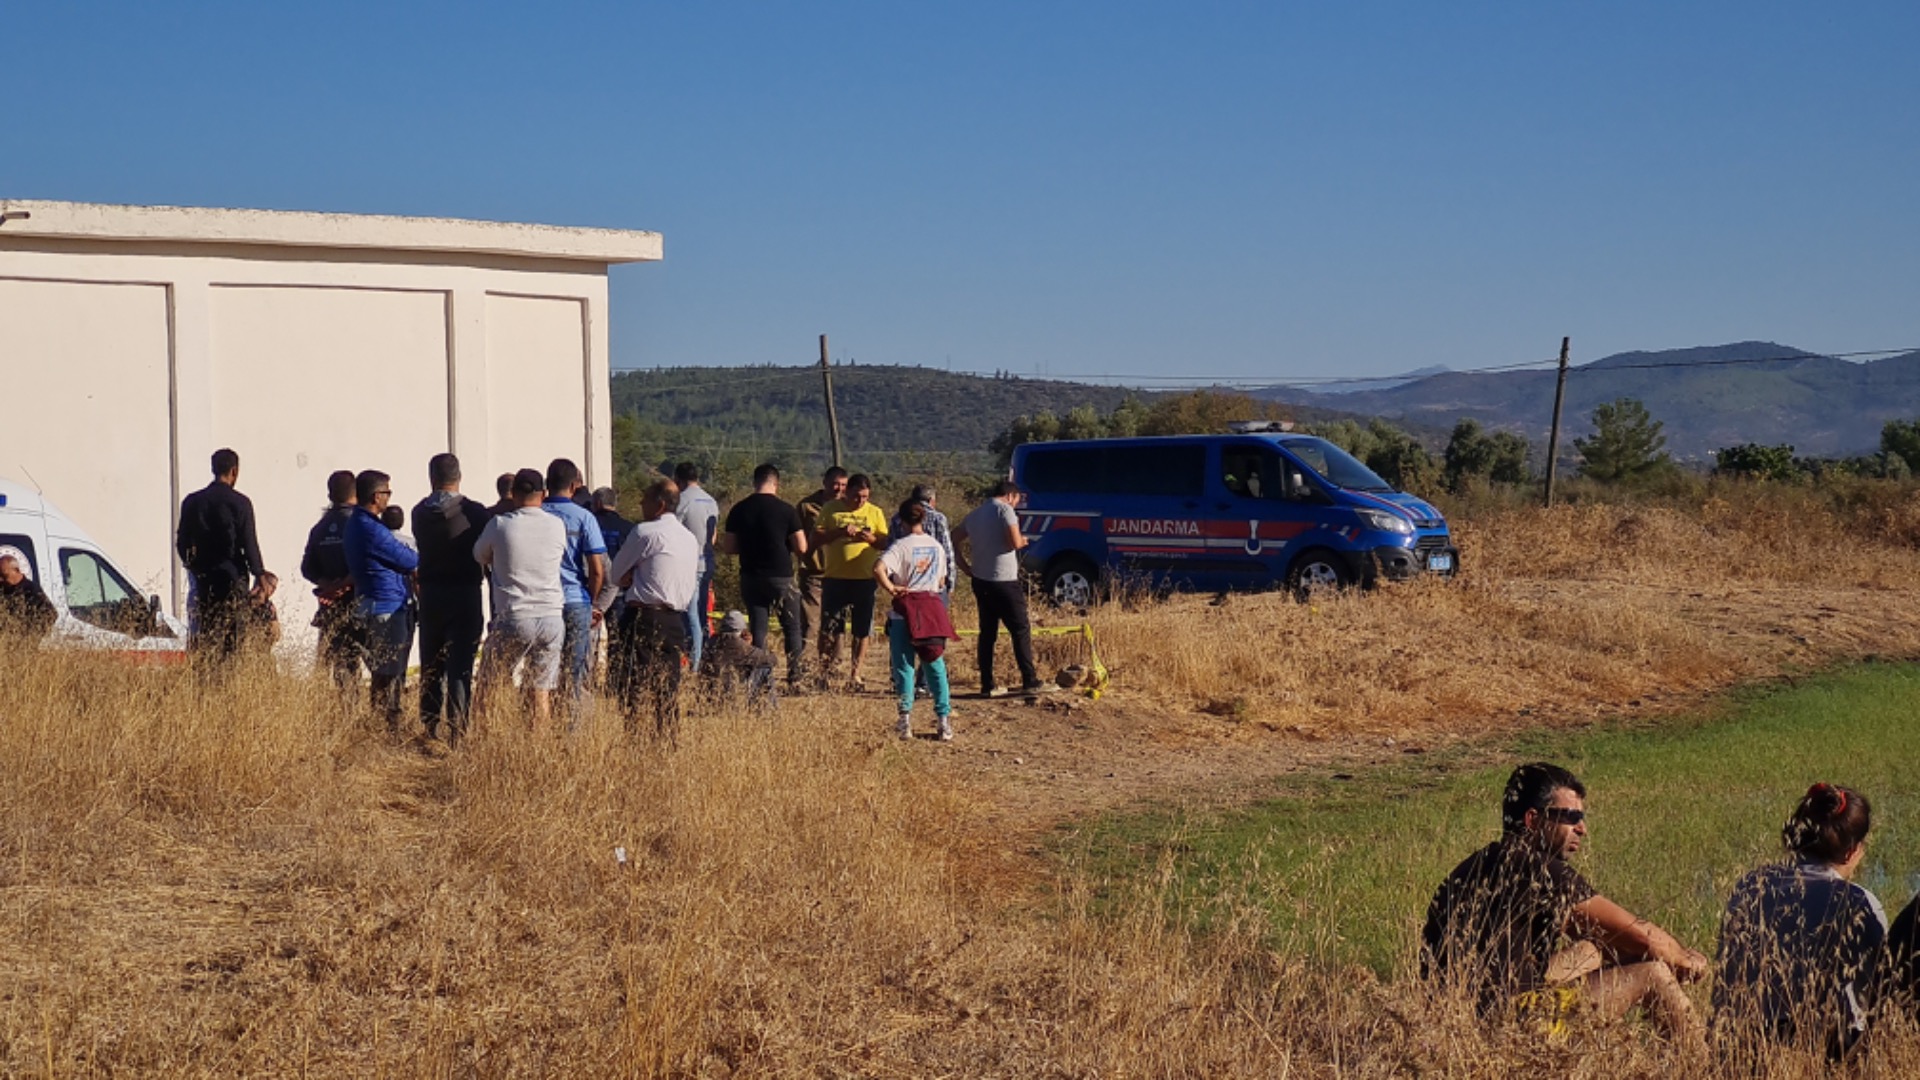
<point x="445" y="525"/>
<point x="218" y="544"/>
<point x="325" y="565"/>
<point x="987" y="547"/>
<point x="382" y="569"/>
<point x="766" y="533"/>
<point x="614" y="528"/>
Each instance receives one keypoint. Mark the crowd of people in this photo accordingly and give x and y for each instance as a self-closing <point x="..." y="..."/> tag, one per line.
<point x="565" y="577"/>
<point x="1806" y="955"/>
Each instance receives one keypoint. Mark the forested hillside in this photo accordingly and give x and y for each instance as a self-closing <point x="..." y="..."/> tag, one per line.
<point x="1708" y="397"/>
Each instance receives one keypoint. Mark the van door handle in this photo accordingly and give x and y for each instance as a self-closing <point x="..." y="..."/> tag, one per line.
<point x="1191" y="505"/>
<point x="1220" y="506"/>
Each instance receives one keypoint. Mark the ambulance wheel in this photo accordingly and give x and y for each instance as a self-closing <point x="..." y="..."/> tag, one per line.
<point x="1071" y="581"/>
<point x="1318" y="572"/>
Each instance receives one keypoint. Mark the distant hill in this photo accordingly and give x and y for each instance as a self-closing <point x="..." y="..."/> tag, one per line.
<point x="1350" y="386"/>
<point x="883" y="408"/>
<point x="1821" y="405"/>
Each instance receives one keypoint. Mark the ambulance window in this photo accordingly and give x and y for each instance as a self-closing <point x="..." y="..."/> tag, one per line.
<point x="96" y="593"/>
<point x="15" y="544"/>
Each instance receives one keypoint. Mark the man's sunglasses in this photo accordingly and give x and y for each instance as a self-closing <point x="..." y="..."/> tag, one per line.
<point x="1561" y="815"/>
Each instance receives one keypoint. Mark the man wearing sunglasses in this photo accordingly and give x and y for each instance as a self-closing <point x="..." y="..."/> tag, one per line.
<point x="1516" y="927"/>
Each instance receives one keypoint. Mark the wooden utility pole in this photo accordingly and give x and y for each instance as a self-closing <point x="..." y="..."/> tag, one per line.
<point x="833" y="418"/>
<point x="1553" y="439"/>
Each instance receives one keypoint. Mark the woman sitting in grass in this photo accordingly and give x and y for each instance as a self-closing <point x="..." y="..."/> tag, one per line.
<point x="1516" y="928"/>
<point x="1801" y="943"/>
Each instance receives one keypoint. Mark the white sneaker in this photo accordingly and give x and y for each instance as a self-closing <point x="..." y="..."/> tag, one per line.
<point x="904" y="728"/>
<point x="946" y="729"/>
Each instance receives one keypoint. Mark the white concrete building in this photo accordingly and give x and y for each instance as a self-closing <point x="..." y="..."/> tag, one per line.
<point x="135" y="341"/>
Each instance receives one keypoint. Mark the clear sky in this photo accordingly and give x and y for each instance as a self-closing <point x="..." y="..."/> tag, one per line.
<point x="1242" y="190"/>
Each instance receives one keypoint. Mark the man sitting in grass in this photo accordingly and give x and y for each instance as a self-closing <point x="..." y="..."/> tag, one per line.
<point x="1517" y="928"/>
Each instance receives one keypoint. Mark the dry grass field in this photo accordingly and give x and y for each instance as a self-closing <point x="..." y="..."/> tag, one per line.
<point x="250" y="880"/>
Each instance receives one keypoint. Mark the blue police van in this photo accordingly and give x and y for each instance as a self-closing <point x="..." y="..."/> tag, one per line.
<point x="1218" y="512"/>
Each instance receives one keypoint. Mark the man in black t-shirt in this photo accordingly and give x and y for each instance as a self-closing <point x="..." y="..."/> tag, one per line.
<point x="766" y="533"/>
<point x="217" y="543"/>
<point x="1515" y="925"/>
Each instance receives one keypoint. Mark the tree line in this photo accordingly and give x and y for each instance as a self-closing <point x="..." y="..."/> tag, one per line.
<point x="1627" y="445"/>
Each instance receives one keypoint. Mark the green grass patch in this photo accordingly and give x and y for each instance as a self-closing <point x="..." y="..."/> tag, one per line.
<point x="1344" y="868"/>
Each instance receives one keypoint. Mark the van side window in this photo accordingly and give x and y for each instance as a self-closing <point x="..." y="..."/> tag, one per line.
<point x="1251" y="472"/>
<point x="98" y="595"/>
<point x="20" y="545"/>
<point x="1062" y="471"/>
<point x="1155" y="470"/>
<point x="1117" y="470"/>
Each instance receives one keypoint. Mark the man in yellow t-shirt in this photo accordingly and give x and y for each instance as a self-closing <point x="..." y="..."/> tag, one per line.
<point x="852" y="532"/>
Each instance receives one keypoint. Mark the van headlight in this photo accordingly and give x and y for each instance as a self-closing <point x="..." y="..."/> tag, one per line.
<point x="1386" y="522"/>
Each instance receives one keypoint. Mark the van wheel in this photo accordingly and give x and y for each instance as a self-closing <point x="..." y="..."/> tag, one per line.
<point x="1071" y="581"/>
<point x="1318" y="572"/>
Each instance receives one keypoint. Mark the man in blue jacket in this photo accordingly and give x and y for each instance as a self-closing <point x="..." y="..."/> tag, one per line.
<point x="382" y="569"/>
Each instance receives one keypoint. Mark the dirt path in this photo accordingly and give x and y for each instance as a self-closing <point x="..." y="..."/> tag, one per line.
<point x="1062" y="757"/>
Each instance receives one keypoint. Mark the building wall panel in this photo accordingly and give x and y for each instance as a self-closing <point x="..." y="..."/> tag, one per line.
<point x="86" y="366"/>
<point x="309" y="380"/>
<point x="536" y="382"/>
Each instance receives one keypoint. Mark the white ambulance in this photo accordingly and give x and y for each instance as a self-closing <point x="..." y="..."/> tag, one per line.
<point x="99" y="608"/>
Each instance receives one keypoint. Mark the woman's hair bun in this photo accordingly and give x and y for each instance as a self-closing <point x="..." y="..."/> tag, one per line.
<point x="1826" y="801"/>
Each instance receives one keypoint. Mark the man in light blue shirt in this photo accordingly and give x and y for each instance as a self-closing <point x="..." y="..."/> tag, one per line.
<point x="701" y="515"/>
<point x="583" y="570"/>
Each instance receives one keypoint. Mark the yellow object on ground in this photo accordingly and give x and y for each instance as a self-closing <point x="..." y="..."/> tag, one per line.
<point x="1096" y="671"/>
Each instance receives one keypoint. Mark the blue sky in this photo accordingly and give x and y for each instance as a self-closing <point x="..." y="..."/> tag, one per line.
<point x="1236" y="190"/>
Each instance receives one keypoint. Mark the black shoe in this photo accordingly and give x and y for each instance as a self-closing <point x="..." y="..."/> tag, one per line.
<point x="1033" y="689"/>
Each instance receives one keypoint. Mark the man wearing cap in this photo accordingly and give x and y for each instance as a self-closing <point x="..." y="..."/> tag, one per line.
<point x="734" y="663"/>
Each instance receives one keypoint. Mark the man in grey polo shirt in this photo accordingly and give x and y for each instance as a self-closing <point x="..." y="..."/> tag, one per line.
<point x="523" y="548"/>
<point x="987" y="547"/>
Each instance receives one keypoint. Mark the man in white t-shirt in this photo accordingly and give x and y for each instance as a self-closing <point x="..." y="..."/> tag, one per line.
<point x="522" y="550"/>
<point x="658" y="571"/>
<point x="915" y="563"/>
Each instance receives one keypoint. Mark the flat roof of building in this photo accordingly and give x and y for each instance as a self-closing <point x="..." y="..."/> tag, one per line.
<point x="299" y="228"/>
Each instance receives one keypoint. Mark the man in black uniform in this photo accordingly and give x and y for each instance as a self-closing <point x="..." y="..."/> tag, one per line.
<point x="218" y="544"/>
<point x="445" y="525"/>
<point x="24" y="608"/>
<point x="325" y="565"/>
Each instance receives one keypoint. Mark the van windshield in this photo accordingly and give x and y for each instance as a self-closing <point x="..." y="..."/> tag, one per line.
<point x="1335" y="465"/>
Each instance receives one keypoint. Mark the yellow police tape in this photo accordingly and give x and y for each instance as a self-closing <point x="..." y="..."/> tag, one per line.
<point x="1096" y="671"/>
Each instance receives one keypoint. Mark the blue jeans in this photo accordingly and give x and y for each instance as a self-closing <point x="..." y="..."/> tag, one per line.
<point x="696" y="616"/>
<point x="575" y="647"/>
<point x="903" y="658"/>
